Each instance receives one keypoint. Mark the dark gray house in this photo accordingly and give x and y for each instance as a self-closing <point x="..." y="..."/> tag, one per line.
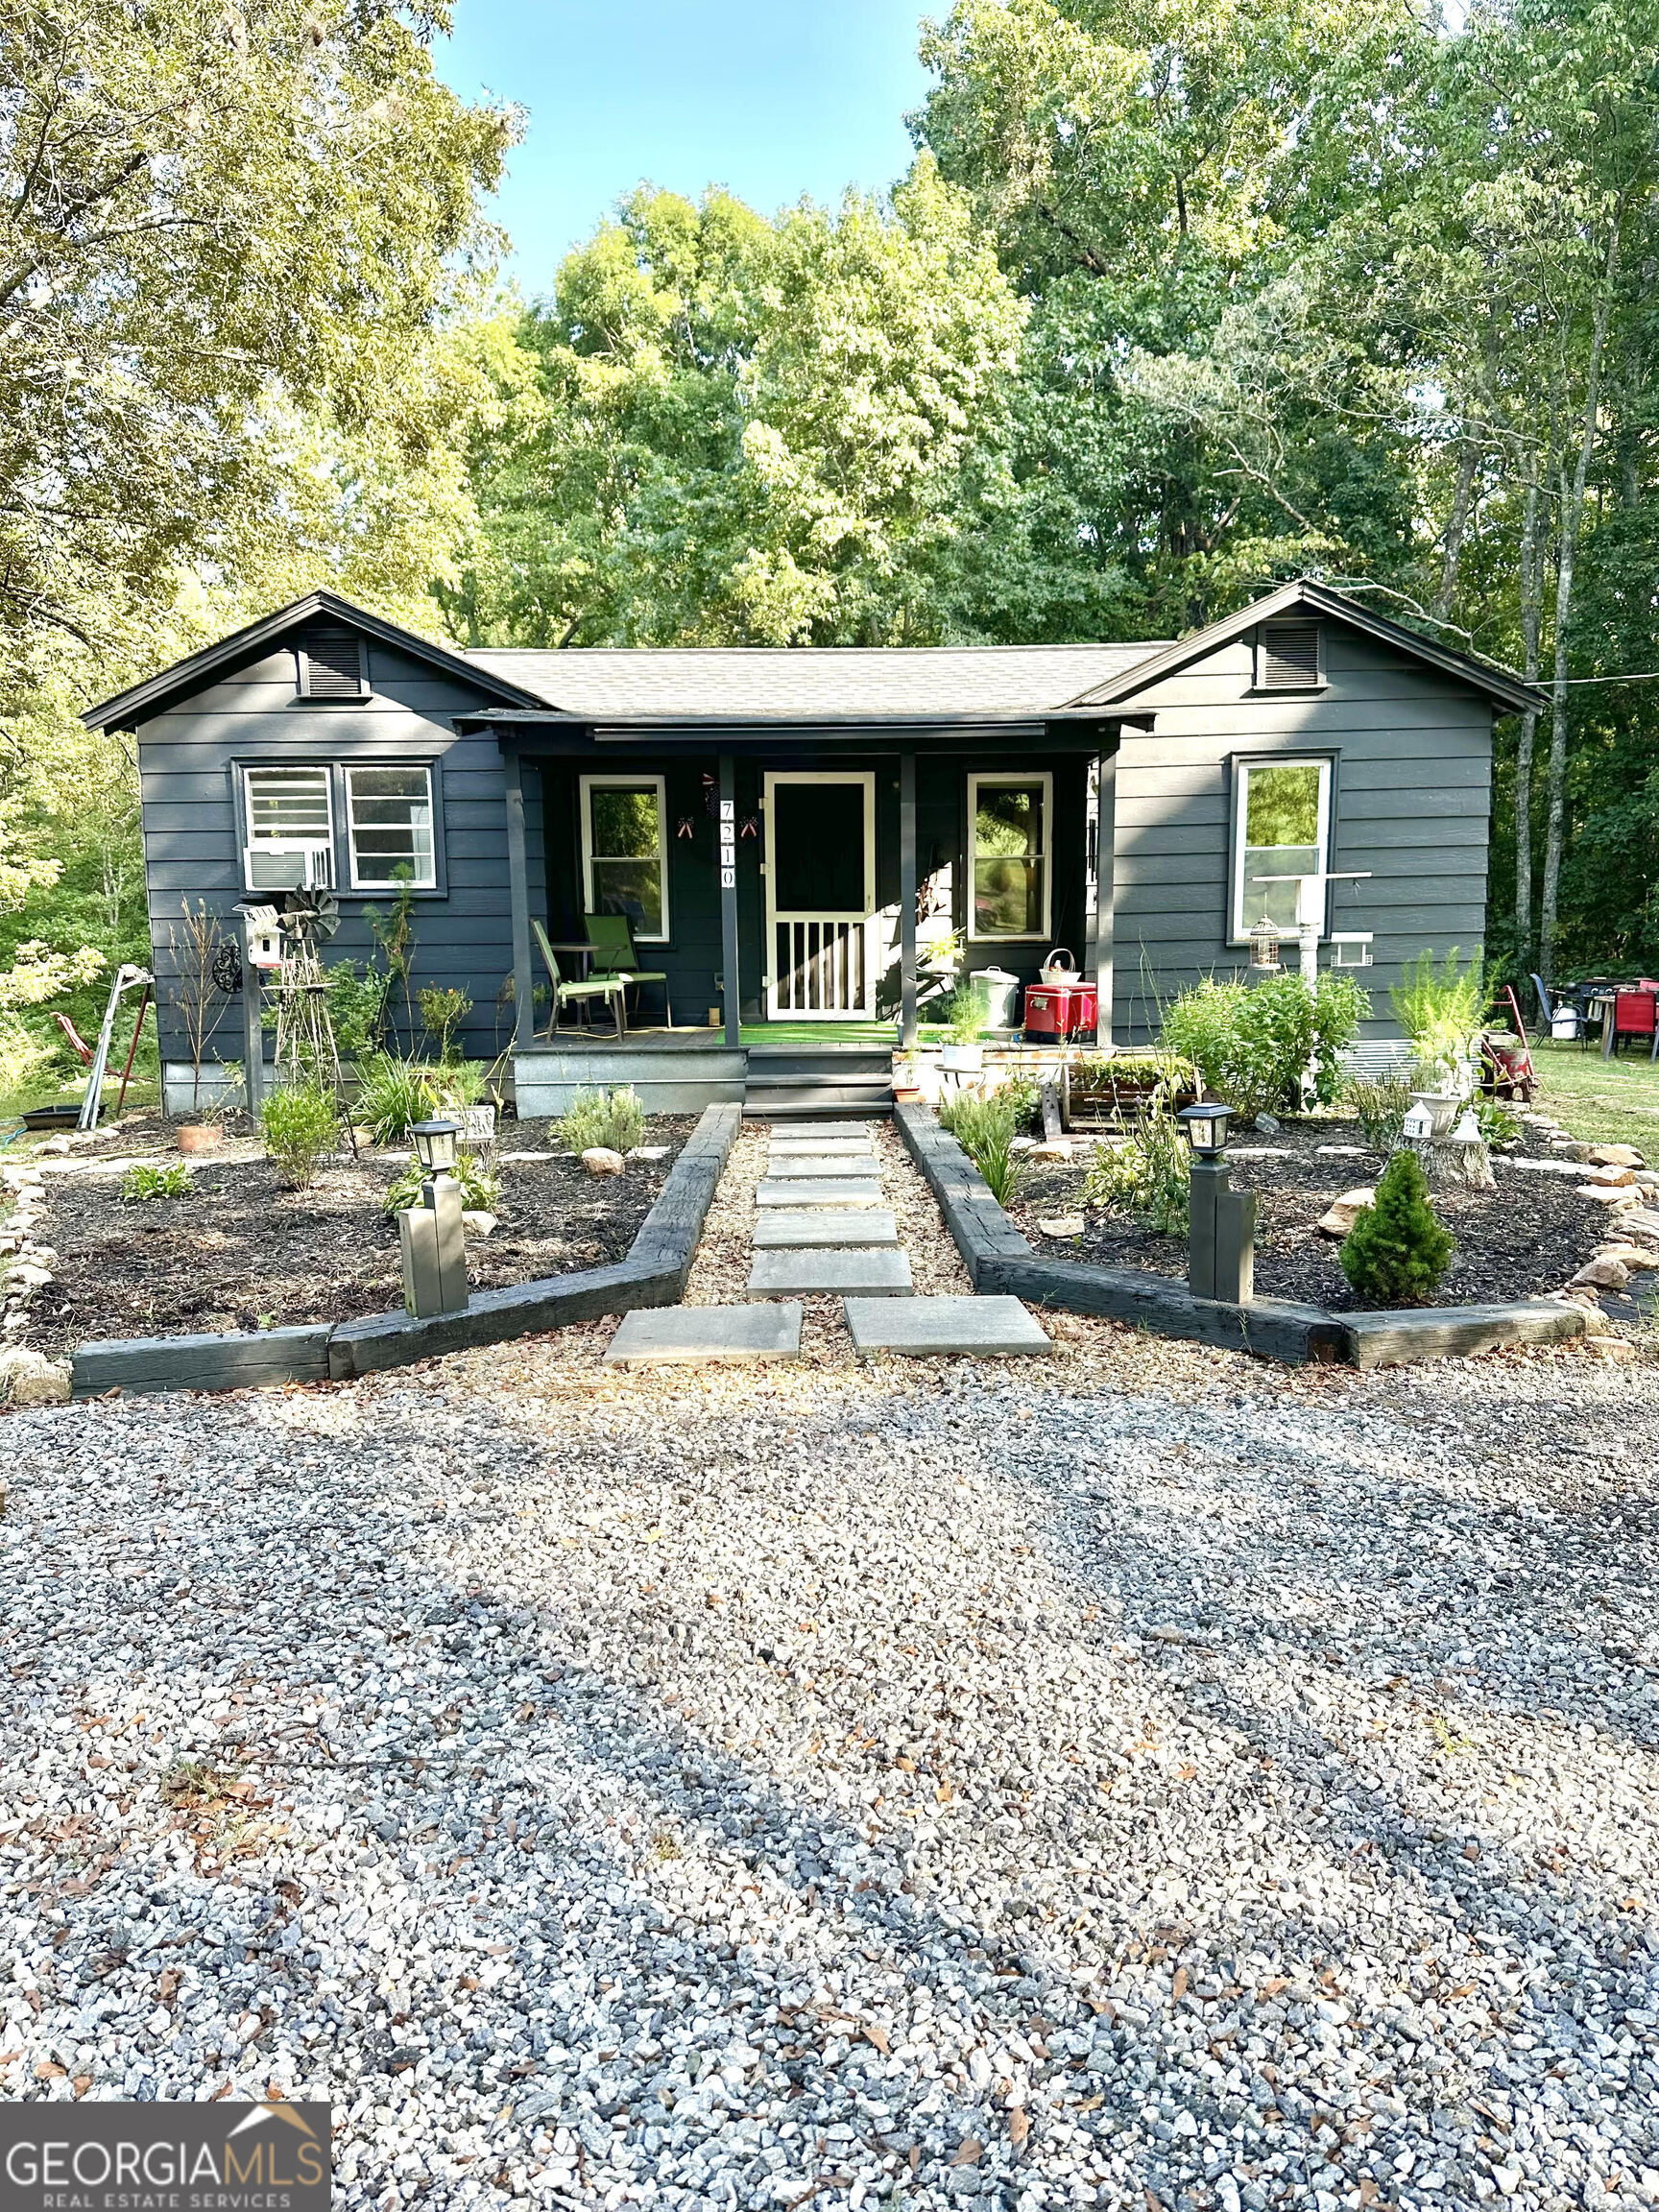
<point x="799" y="835"/>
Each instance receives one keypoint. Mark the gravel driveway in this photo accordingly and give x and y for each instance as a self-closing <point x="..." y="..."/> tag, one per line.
<point x="1149" y="1780"/>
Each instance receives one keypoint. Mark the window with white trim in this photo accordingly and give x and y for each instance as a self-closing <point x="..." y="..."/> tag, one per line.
<point x="1008" y="819"/>
<point x="1281" y="830"/>
<point x="389" y="818"/>
<point x="625" y="851"/>
<point x="289" y="828"/>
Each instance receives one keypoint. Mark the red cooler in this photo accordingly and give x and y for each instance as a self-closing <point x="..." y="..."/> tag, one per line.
<point x="1062" y="1011"/>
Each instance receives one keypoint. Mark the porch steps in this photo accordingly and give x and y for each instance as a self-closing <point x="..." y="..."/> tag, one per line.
<point x="806" y="1083"/>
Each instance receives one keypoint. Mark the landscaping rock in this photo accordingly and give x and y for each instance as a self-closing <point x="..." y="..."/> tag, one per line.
<point x="1605" y="1194"/>
<point x="1572" y="1147"/>
<point x="1064" y="1225"/>
<point x="30" y="1379"/>
<point x="1633" y="1256"/>
<point x="56" y="1146"/>
<point x="1617" y="1156"/>
<point x="1342" y="1212"/>
<point x="1602" y="1274"/>
<point x="600" y="1159"/>
<point x="1053" y="1153"/>
<point x="1611" y="1177"/>
<point x="479" y="1223"/>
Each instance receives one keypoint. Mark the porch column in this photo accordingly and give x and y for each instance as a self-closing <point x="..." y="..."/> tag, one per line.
<point x="1102" y="950"/>
<point x="518" y="891"/>
<point x="727" y="851"/>
<point x="907" y="898"/>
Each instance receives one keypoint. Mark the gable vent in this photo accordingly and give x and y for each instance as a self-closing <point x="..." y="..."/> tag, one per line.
<point x="1289" y="656"/>
<point x="332" y="664"/>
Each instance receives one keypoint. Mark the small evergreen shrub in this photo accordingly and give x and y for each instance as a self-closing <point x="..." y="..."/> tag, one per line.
<point x="986" y="1128"/>
<point x="1399" y="1248"/>
<point x="614" y="1119"/>
<point x="145" y="1182"/>
<point x="301" y="1126"/>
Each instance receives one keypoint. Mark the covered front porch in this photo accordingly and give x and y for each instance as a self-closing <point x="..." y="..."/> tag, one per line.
<point x="815" y="889"/>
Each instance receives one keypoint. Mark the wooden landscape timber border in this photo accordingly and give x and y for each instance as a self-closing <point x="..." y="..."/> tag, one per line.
<point x="999" y="1259"/>
<point x="653" y="1274"/>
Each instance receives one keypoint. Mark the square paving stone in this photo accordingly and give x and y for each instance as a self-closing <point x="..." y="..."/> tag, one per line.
<point x="818" y="1148"/>
<point x="928" y="1328"/>
<point x="883" y="1273"/>
<point x="825" y="1165"/>
<point x="690" y="1336"/>
<point x="789" y="1232"/>
<point x="790" y="1130"/>
<point x="828" y="1192"/>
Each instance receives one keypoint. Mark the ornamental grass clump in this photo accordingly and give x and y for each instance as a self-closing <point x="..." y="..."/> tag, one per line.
<point x="614" y="1119"/>
<point x="1398" y="1248"/>
<point x="301" y="1126"/>
<point x="392" y="1092"/>
<point x="986" y="1128"/>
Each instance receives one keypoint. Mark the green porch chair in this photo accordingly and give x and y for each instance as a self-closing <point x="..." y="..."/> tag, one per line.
<point x="612" y="941"/>
<point x="613" y="989"/>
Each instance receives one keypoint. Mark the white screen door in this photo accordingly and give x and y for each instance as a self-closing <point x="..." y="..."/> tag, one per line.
<point x="820" y="896"/>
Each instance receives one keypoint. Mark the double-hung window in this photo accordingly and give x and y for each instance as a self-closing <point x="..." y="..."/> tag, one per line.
<point x="389" y="816"/>
<point x="1009" y="827"/>
<point x="625" y="851"/>
<point x="289" y="828"/>
<point x="1280" y="830"/>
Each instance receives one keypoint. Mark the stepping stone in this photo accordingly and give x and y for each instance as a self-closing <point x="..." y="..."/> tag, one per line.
<point x="819" y="1147"/>
<point x="829" y="1193"/>
<point x="787" y="1232"/>
<point x="817" y="1164"/>
<point x="787" y="1131"/>
<point x="870" y="1274"/>
<point x="693" y="1336"/>
<point x="926" y="1327"/>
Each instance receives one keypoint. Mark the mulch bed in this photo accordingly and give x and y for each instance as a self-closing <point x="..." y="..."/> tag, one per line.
<point x="243" y="1252"/>
<point x="1526" y="1236"/>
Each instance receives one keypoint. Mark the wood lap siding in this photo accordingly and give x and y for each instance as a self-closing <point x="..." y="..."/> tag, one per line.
<point x="1413" y="800"/>
<point x="193" y="836"/>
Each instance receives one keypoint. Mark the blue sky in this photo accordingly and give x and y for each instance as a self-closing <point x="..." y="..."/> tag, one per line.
<point x="772" y="98"/>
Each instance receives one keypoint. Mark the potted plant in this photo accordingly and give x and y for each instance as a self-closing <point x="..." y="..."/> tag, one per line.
<point x="206" y="1134"/>
<point x="967" y="1020"/>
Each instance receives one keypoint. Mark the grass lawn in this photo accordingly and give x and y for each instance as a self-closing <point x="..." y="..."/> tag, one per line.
<point x="1603" y="1101"/>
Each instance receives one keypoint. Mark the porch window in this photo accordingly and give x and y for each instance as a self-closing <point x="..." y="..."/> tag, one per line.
<point x="1009" y="817"/>
<point x="389" y="812"/>
<point x="289" y="822"/>
<point x="1281" y="829"/>
<point x="625" y="851"/>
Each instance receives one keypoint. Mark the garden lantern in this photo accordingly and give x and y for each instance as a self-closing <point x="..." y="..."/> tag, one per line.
<point x="1206" y="1128"/>
<point x="435" y="1143"/>
<point x="432" y="1234"/>
<point x="1222" y="1241"/>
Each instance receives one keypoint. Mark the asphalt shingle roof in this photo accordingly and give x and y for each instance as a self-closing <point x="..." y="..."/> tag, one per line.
<point x="795" y="683"/>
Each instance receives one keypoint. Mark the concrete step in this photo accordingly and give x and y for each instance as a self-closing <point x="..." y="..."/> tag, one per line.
<point x="828" y="1192"/>
<point x="873" y="1273"/>
<point x="783" y="1231"/>
<point x="938" y="1328"/>
<point x="843" y="1131"/>
<point x="764" y="1105"/>
<point x="701" y="1335"/>
<point x="820" y="1167"/>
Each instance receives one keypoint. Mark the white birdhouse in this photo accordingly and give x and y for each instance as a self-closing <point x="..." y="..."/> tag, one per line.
<point x="1418" y="1125"/>
<point x="264" y="936"/>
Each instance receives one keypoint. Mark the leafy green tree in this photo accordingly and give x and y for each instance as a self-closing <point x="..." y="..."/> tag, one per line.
<point x="730" y="430"/>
